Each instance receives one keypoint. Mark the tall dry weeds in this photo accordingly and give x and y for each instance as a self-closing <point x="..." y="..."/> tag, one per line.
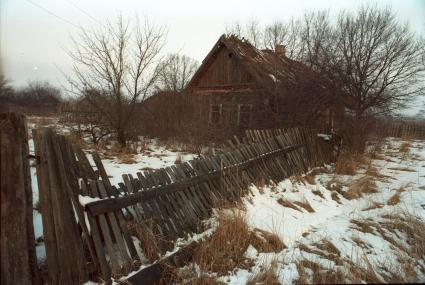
<point x="225" y="249"/>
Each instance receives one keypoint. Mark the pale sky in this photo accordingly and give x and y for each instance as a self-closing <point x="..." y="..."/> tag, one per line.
<point x="33" y="40"/>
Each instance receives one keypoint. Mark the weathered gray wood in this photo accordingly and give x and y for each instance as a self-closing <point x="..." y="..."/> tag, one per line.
<point x="59" y="225"/>
<point x="116" y="231"/>
<point x="106" y="233"/>
<point x="18" y="259"/>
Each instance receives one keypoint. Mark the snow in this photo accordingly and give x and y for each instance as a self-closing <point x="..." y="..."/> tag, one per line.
<point x="332" y="221"/>
<point x="273" y="77"/>
<point x="157" y="157"/>
<point x="84" y="200"/>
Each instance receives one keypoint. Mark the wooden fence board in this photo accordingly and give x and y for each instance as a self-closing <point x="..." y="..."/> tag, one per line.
<point x="18" y="257"/>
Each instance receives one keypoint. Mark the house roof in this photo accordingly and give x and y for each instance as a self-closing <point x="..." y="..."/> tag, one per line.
<point x="267" y="67"/>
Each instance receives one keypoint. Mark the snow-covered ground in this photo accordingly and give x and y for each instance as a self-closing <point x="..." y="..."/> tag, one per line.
<point x="154" y="157"/>
<point x="353" y="227"/>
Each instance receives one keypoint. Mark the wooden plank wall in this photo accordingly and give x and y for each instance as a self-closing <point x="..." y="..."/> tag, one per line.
<point x="18" y="257"/>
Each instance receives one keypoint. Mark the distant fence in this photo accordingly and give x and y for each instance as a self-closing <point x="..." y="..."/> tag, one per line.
<point x="88" y="224"/>
<point x="407" y="130"/>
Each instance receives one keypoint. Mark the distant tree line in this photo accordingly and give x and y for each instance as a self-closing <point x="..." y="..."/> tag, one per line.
<point x="35" y="94"/>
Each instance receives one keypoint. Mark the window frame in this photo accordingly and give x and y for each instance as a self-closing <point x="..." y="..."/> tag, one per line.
<point x="240" y="106"/>
<point x="220" y="114"/>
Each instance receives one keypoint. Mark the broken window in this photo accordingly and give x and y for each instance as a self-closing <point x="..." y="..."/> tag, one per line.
<point x="244" y="115"/>
<point x="215" y="113"/>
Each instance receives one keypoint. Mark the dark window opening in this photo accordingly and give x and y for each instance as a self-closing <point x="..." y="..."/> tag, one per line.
<point x="244" y="115"/>
<point x="215" y="114"/>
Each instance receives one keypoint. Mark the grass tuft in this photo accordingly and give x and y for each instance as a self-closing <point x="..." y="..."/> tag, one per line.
<point x="394" y="200"/>
<point x="306" y="205"/>
<point x="224" y="250"/>
<point x="360" y="186"/>
<point x="265" y="241"/>
<point x="267" y="276"/>
<point x="288" y="204"/>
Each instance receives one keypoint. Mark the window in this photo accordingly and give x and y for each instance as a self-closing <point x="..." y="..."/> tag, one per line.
<point x="244" y="115"/>
<point x="215" y="113"/>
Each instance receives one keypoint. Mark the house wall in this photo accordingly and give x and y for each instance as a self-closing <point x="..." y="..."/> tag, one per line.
<point x="225" y="83"/>
<point x="224" y="69"/>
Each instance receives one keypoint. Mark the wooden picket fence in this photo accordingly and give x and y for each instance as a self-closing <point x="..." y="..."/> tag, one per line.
<point x="404" y="130"/>
<point x="89" y="225"/>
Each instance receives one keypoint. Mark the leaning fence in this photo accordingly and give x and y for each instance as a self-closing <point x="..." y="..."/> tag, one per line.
<point x="89" y="225"/>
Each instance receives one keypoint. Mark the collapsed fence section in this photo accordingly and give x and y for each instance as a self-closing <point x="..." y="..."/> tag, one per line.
<point x="99" y="223"/>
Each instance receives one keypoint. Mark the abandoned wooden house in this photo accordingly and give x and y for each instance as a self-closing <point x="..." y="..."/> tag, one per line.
<point x="245" y="87"/>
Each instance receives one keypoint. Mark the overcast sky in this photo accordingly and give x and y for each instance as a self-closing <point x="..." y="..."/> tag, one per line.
<point x="34" y="33"/>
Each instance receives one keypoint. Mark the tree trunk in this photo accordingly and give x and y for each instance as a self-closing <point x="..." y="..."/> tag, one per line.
<point x="121" y="137"/>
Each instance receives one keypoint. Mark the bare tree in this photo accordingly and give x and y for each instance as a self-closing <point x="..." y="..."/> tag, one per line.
<point x="251" y="31"/>
<point x="380" y="61"/>
<point x="6" y="91"/>
<point x="115" y="67"/>
<point x="175" y="72"/>
<point x="367" y="58"/>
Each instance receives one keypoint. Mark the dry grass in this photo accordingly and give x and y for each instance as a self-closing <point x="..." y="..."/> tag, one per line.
<point x="225" y="248"/>
<point x="328" y="246"/>
<point x="179" y="159"/>
<point x="405" y="147"/>
<point x="77" y="140"/>
<point x="402" y="169"/>
<point x="412" y="227"/>
<point x="410" y="259"/>
<point x="318" y="193"/>
<point x="364" y="226"/>
<point x="311" y="272"/>
<point x="360" y="186"/>
<point x="306" y="205"/>
<point x="265" y="241"/>
<point x="348" y="162"/>
<point x="149" y="240"/>
<point x="125" y="154"/>
<point x="126" y="158"/>
<point x="359" y="242"/>
<point x="374" y="205"/>
<point x="372" y="171"/>
<point x="310" y="177"/>
<point x="335" y="197"/>
<point x="201" y="280"/>
<point x="267" y="276"/>
<point x="325" y="249"/>
<point x="288" y="204"/>
<point x="335" y="185"/>
<point x="394" y="200"/>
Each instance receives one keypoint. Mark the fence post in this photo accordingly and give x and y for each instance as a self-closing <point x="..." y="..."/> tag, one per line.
<point x="18" y="257"/>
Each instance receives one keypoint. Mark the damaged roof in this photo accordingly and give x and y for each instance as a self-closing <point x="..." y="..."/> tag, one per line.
<point x="267" y="67"/>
